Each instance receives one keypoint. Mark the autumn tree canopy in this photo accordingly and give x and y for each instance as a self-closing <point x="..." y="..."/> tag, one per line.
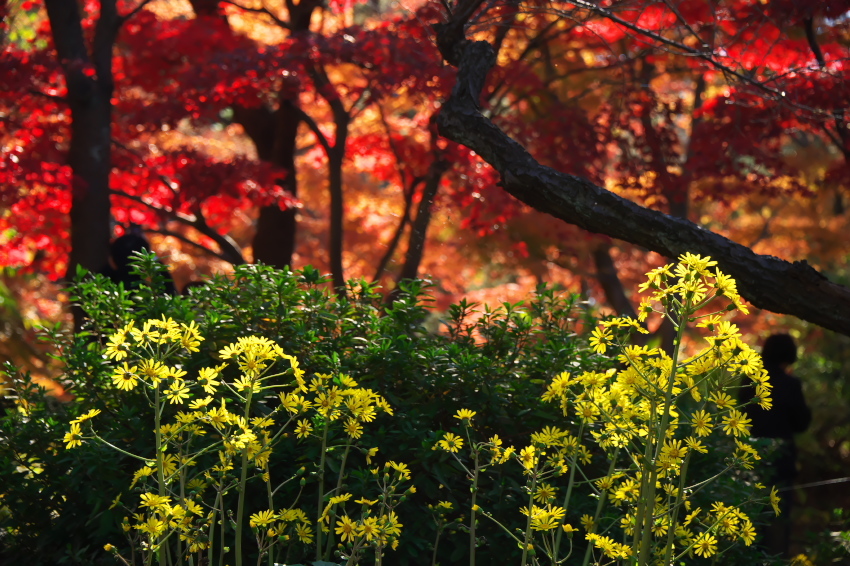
<point x="334" y="134"/>
<point x="777" y="86"/>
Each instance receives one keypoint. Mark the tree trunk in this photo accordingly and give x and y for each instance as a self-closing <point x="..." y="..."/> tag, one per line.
<point x="274" y="135"/>
<point x="419" y="229"/>
<point x="88" y="77"/>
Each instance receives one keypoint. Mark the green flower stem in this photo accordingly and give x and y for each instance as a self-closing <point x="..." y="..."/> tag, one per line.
<point x="332" y="516"/>
<point x="503" y="527"/>
<point x="160" y="472"/>
<point x="649" y="496"/>
<point x="270" y="494"/>
<point x="671" y="531"/>
<point x="472" y="509"/>
<point x="321" y="496"/>
<point x="243" y="479"/>
<point x="211" y="547"/>
<point x="644" y="487"/>
<point x="567" y="496"/>
<point x="119" y="450"/>
<point x="600" y="505"/>
<point x="527" y="538"/>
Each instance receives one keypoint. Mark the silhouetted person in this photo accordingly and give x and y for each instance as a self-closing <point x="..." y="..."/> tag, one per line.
<point x="788" y="416"/>
<point x="121" y="253"/>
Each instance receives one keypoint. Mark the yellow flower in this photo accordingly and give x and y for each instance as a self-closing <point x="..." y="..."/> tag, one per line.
<point x="303" y="429"/>
<point x="89" y="415"/>
<point x="245" y="382"/>
<point x="644" y="310"/>
<point x="545" y="493"/>
<point x="391" y="526"/>
<point x="353" y="428"/>
<point x="599" y="339"/>
<point x="207" y="378"/>
<point x="155" y="501"/>
<point x="673" y="450"/>
<point x="152" y="526"/>
<point x="336" y="499"/>
<point x="369" y="528"/>
<point x="117" y="346"/>
<point x="262" y="518"/>
<point x="774" y="500"/>
<point x="701" y="421"/>
<point x="304" y="532"/>
<point x="465" y="414"/>
<point x="705" y="545"/>
<point x="346" y="528"/>
<point x="697" y="263"/>
<point x="147" y="333"/>
<point x="655" y="278"/>
<point x="696" y="445"/>
<point x="722" y="399"/>
<point x="370" y="454"/>
<point x="747" y="533"/>
<point x="125" y="377"/>
<point x="725" y="285"/>
<point x="176" y="392"/>
<point x="73" y="437"/>
<point x="190" y="338"/>
<point x="691" y="516"/>
<point x="736" y="423"/>
<point x="153" y="370"/>
<point x="709" y="321"/>
<point x="402" y="469"/>
<point x="201" y="403"/>
<point x="527" y="457"/>
<point x="451" y="442"/>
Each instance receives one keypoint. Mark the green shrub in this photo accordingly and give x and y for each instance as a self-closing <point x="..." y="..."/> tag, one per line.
<point x="494" y="362"/>
<point x="158" y="468"/>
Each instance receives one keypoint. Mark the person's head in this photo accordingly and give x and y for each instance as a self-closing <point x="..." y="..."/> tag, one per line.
<point x="123" y="248"/>
<point x="779" y="350"/>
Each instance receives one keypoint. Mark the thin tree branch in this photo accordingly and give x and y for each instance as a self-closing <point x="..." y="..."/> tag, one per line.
<point x="314" y="127"/>
<point x="189" y="241"/>
<point x="767" y="282"/>
<point x="133" y="12"/>
<point x="265" y="11"/>
<point x="808" y="23"/>
<point x="229" y="249"/>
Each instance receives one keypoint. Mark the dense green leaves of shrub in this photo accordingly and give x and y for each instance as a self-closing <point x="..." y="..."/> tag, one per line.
<point x="492" y="361"/>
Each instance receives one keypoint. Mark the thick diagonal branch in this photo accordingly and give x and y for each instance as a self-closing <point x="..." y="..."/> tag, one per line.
<point x="767" y="282"/>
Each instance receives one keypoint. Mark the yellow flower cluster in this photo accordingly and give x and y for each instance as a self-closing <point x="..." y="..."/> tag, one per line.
<point x="289" y="522"/>
<point x="658" y="409"/>
<point x="383" y="530"/>
<point x="214" y="414"/>
<point x="545" y="518"/>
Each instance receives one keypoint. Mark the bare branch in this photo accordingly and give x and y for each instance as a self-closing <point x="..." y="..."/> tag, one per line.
<point x="767" y="282"/>
<point x="185" y="240"/>
<point x="265" y="11"/>
<point x="314" y="127"/>
<point x="813" y="42"/>
<point x="133" y="12"/>
<point x="230" y="251"/>
<point x="705" y="54"/>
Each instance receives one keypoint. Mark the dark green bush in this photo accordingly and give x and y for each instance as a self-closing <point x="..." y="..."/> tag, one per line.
<point x="56" y="503"/>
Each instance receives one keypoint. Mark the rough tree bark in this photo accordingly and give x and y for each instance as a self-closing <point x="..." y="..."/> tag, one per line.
<point x="88" y="76"/>
<point x="767" y="282"/>
<point x="274" y="133"/>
